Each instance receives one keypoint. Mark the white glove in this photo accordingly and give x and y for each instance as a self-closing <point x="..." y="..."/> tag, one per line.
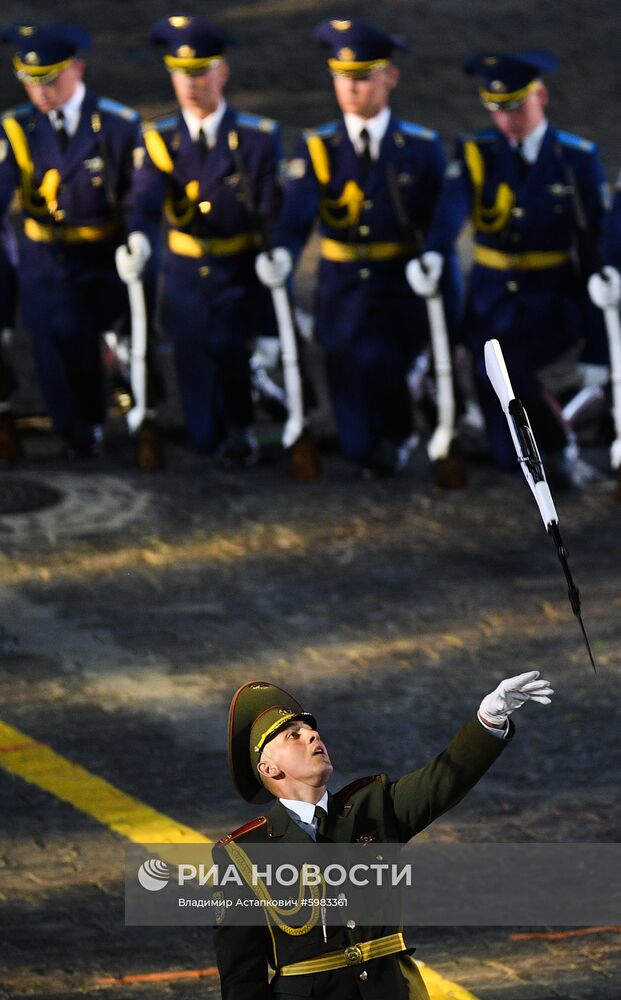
<point x="605" y="288"/>
<point x="266" y="351"/>
<point x="274" y="266"/>
<point x="511" y="694"/>
<point x="131" y="259"/>
<point x="593" y="376"/>
<point x="304" y="322"/>
<point x="423" y="273"/>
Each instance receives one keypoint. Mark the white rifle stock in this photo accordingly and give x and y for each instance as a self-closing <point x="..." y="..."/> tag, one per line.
<point x="291" y="367"/>
<point x="440" y="442"/>
<point x="442" y="447"/>
<point x="277" y="285"/>
<point x="138" y="354"/>
<point x="532" y="467"/>
<point x="613" y="331"/>
<point x="521" y="432"/>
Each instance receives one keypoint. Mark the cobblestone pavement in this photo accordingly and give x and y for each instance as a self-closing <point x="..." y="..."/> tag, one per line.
<point x="133" y="608"/>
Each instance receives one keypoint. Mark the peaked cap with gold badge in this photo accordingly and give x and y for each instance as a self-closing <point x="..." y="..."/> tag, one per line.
<point x="190" y="43"/>
<point x="357" y="48"/>
<point x="259" y="711"/>
<point x="41" y="52"/>
<point x="508" y="78"/>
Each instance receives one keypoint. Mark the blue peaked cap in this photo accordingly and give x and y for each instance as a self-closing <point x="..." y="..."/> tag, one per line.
<point x="189" y="41"/>
<point x="508" y="77"/>
<point x="356" y="46"/>
<point x="40" y="52"/>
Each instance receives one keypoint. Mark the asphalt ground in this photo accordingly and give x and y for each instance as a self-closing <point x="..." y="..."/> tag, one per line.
<point x="133" y="607"/>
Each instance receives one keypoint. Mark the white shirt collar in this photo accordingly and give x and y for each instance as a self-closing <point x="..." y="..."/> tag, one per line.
<point x="376" y="127"/>
<point x="305" y="810"/>
<point x="531" y="144"/>
<point x="209" y="124"/>
<point x="71" y="110"/>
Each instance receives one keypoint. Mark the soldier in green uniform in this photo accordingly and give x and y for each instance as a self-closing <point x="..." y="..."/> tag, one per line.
<point x="275" y="751"/>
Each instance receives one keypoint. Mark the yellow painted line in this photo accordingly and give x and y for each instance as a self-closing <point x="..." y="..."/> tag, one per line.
<point x="440" y="988"/>
<point x="38" y="764"/>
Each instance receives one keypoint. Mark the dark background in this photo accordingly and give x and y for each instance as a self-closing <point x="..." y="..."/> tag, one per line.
<point x="279" y="71"/>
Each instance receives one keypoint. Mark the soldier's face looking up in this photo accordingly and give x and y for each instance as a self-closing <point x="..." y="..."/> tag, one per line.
<point x="200" y="93"/>
<point x="296" y="761"/>
<point x="365" y="96"/>
<point x="48" y="97"/>
<point x="520" y="122"/>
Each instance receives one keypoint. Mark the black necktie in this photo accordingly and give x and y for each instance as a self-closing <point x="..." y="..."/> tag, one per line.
<point x="522" y="162"/>
<point x="321" y="816"/>
<point x="365" y="154"/>
<point x="61" y="131"/>
<point x="203" y="146"/>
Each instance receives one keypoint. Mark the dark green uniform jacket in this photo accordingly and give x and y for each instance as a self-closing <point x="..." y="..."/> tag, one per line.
<point x="384" y="811"/>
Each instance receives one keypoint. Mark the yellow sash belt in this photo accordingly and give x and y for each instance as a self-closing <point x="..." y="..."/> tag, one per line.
<point x="533" y="260"/>
<point x="354" y="954"/>
<point x="191" y="246"/>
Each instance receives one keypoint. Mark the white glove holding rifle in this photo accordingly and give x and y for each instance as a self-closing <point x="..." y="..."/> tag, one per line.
<point x="424" y="273"/>
<point x="274" y="266"/>
<point x="131" y="258"/>
<point x="512" y="693"/>
<point x="605" y="288"/>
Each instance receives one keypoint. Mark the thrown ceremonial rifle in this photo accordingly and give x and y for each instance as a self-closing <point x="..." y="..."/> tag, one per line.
<point x="532" y="467"/>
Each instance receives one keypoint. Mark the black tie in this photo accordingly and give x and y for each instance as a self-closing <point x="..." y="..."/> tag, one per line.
<point x="203" y="146"/>
<point x="61" y="132"/>
<point x="365" y="154"/>
<point x="321" y="816"/>
<point x="522" y="162"/>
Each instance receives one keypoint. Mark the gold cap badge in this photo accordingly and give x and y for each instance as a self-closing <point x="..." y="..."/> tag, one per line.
<point x="186" y="52"/>
<point x="346" y="55"/>
<point x="340" y="25"/>
<point x="32" y="58"/>
<point x="498" y="87"/>
<point x="27" y="30"/>
<point x="178" y="22"/>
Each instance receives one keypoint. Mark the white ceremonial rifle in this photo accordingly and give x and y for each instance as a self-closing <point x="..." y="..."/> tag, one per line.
<point x="613" y="330"/>
<point x="138" y="354"/>
<point x="296" y="438"/>
<point x="442" y="447"/>
<point x="532" y="467"/>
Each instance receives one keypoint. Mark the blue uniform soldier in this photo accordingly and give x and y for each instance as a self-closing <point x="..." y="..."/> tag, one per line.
<point x="69" y="154"/>
<point x="216" y="172"/>
<point x="535" y="198"/>
<point x="371" y="180"/>
<point x="10" y="444"/>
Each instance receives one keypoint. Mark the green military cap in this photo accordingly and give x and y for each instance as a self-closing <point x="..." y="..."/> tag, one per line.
<point x="259" y="711"/>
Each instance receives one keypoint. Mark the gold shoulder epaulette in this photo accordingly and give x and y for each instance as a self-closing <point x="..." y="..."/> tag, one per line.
<point x="254" y="824"/>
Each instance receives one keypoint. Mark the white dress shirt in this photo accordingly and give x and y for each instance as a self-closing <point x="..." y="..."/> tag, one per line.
<point x="531" y="144"/>
<point x="376" y="127"/>
<point x="303" y="813"/>
<point x="71" y="111"/>
<point x="209" y="124"/>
